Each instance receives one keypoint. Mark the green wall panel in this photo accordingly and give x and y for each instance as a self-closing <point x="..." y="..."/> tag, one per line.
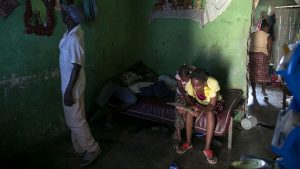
<point x="220" y="47"/>
<point x="30" y="98"/>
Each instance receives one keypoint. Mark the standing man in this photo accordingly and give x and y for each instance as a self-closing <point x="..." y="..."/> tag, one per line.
<point x="71" y="63"/>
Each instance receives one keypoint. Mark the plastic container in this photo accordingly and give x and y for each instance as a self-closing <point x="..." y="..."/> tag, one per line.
<point x="173" y="166"/>
<point x="291" y="75"/>
<point x="286" y="139"/>
<point x="249" y="122"/>
<point x="199" y="134"/>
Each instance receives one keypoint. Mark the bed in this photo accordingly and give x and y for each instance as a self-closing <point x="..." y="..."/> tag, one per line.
<point x="156" y="109"/>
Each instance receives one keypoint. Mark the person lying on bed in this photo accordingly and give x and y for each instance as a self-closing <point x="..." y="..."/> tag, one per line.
<point x="118" y="88"/>
<point x="204" y="90"/>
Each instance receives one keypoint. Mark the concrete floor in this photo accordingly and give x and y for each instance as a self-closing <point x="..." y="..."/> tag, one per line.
<point x="127" y="146"/>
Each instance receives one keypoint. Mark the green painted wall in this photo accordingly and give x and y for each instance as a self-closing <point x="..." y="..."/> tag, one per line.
<point x="220" y="46"/>
<point x="30" y="100"/>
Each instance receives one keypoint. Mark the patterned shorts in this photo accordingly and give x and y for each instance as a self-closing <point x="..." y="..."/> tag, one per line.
<point x="179" y="120"/>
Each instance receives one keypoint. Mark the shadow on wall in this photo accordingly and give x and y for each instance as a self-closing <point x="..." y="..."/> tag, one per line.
<point x="166" y="44"/>
<point x="109" y="44"/>
<point x="211" y="60"/>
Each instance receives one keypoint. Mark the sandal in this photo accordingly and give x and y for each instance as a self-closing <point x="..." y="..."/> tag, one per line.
<point x="211" y="158"/>
<point x="180" y="149"/>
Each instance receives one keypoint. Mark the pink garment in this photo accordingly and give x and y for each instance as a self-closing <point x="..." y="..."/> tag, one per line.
<point x="258" y="27"/>
<point x="201" y="96"/>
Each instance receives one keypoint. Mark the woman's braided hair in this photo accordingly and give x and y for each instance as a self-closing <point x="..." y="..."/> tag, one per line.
<point x="184" y="71"/>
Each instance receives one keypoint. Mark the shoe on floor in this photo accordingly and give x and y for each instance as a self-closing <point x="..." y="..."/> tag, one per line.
<point x="210" y="156"/>
<point x="180" y="149"/>
<point x="89" y="158"/>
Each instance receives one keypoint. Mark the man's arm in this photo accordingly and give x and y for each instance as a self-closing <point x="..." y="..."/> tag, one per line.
<point x="68" y="96"/>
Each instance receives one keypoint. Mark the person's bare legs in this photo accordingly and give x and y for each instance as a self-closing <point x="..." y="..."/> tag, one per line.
<point x="182" y="148"/>
<point x="189" y="127"/>
<point x="210" y="117"/>
<point x="263" y="89"/>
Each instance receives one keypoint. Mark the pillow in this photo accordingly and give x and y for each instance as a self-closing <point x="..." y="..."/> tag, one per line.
<point x="128" y="78"/>
<point x="146" y="74"/>
<point x="135" y="87"/>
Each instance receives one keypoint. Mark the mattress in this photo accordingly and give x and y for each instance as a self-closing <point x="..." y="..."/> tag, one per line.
<point x="156" y="109"/>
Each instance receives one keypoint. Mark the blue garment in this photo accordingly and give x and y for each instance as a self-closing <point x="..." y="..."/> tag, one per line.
<point x="111" y="89"/>
<point x="158" y="89"/>
<point x="126" y="95"/>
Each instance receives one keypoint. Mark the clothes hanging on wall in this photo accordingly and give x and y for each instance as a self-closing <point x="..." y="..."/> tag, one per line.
<point x="214" y="8"/>
<point x="90" y="9"/>
<point x="7" y="7"/>
<point x="204" y="12"/>
<point x="272" y="21"/>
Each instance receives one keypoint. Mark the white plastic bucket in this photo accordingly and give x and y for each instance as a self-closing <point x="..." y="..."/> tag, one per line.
<point x="249" y="122"/>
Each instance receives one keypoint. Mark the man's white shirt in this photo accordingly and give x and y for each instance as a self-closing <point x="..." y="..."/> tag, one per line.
<point x="72" y="51"/>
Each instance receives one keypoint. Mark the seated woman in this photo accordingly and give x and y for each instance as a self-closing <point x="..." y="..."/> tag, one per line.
<point x="203" y="90"/>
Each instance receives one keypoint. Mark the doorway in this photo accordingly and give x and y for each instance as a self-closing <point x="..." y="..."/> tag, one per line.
<point x="286" y="22"/>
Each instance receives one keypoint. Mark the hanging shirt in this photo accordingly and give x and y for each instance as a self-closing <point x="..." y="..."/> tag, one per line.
<point x="72" y="51"/>
<point x="210" y="91"/>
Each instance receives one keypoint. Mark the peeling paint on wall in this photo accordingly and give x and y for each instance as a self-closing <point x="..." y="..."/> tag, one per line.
<point x="25" y="81"/>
